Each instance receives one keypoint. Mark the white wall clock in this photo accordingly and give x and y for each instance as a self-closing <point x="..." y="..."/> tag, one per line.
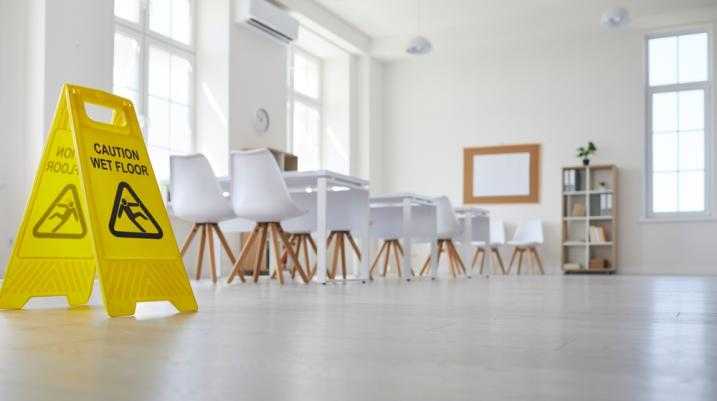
<point x="261" y="121"/>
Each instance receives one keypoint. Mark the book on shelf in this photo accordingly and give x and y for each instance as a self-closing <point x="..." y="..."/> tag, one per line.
<point x="605" y="204"/>
<point x="571" y="180"/>
<point x="597" y="234"/>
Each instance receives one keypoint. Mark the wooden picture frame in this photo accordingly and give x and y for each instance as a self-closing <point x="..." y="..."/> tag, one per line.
<point x="469" y="161"/>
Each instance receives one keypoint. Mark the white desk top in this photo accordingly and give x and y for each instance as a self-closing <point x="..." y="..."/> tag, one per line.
<point x="304" y="178"/>
<point x="397" y="198"/>
<point x="470" y="211"/>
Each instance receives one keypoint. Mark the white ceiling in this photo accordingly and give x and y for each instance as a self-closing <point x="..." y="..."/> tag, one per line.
<point x="388" y="18"/>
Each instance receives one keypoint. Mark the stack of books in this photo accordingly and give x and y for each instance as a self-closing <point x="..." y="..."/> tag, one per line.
<point x="597" y="234"/>
<point x="571" y="180"/>
<point x="605" y="204"/>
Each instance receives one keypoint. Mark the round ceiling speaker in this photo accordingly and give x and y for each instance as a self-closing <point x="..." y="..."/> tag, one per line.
<point x="419" y="46"/>
<point x="615" y="18"/>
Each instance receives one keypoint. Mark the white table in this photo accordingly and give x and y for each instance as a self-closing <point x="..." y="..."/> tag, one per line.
<point x="468" y="217"/>
<point x="420" y="206"/>
<point x="321" y="183"/>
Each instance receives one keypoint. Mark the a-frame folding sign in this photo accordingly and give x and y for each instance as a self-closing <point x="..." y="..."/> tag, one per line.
<point x="95" y="203"/>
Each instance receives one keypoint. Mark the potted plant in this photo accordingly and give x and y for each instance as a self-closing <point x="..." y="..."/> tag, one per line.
<point x="584" y="152"/>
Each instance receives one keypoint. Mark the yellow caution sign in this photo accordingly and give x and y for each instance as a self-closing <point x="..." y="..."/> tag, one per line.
<point x="95" y="203"/>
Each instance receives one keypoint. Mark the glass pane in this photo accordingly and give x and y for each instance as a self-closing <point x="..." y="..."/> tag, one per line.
<point x="664" y="112"/>
<point x="663" y="61"/>
<point x="692" y="191"/>
<point x="181" y="80"/>
<point x="664" y="152"/>
<point x="306" y="76"/>
<point x="692" y="151"/>
<point x="159" y="72"/>
<point x="158" y="111"/>
<point x="126" y="66"/>
<point x="182" y="21"/>
<point x="664" y="192"/>
<point x="127" y="9"/>
<point x="181" y="132"/>
<point x="307" y="145"/>
<point x="160" y="162"/>
<point x="160" y="14"/>
<point x="693" y="57"/>
<point x="692" y="110"/>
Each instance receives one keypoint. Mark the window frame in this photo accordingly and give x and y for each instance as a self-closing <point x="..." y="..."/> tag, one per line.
<point x="314" y="103"/>
<point x="650" y="91"/>
<point x="146" y="37"/>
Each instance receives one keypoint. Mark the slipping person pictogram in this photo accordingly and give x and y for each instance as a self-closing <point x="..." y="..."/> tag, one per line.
<point x="64" y="218"/>
<point x="130" y="218"/>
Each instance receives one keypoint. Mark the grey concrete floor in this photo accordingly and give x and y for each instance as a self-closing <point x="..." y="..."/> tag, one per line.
<point x="499" y="338"/>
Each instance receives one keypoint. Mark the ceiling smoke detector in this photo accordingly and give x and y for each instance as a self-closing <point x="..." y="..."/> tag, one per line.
<point x="615" y="18"/>
<point x="419" y="46"/>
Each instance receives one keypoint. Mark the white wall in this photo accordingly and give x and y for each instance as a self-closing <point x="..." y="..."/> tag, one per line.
<point x="542" y="84"/>
<point x="43" y="44"/>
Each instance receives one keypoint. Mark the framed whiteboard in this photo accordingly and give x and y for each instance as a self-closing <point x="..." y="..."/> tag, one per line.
<point x="501" y="174"/>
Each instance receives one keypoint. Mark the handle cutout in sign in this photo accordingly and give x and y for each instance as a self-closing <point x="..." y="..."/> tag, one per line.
<point x="96" y="206"/>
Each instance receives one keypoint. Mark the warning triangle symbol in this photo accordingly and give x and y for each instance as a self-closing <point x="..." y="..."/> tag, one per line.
<point x="130" y="218"/>
<point x="63" y="218"/>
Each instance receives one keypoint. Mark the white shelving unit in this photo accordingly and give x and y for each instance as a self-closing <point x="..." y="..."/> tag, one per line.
<point x="576" y="246"/>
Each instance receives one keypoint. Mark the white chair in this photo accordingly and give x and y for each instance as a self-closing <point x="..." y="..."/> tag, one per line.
<point x="528" y="237"/>
<point x="447" y="229"/>
<point x="259" y="194"/>
<point x="386" y="224"/>
<point x="196" y="197"/>
<point x="339" y="218"/>
<point x="495" y="241"/>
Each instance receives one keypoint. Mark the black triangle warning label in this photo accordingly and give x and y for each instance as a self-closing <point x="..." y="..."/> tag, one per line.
<point x="63" y="218"/>
<point x="130" y="218"/>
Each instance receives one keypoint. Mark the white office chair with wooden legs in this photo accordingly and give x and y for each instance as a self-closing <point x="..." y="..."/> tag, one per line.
<point x="259" y="194"/>
<point x="447" y="229"/>
<point x="386" y="226"/>
<point x="495" y="241"/>
<point x="527" y="238"/>
<point x="196" y="197"/>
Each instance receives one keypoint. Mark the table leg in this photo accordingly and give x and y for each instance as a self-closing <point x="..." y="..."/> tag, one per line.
<point x="321" y="229"/>
<point x="466" y="248"/>
<point x="364" y="230"/>
<point x="407" y="264"/>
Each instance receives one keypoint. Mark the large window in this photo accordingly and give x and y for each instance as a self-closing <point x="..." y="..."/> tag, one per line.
<point x="305" y="108"/>
<point x="154" y="67"/>
<point x="679" y="88"/>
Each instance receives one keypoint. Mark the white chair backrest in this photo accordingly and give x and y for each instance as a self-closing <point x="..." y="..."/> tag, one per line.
<point x="531" y="231"/>
<point x="257" y="185"/>
<point x="386" y="222"/>
<point x="446" y="225"/>
<point x="194" y="189"/>
<point x="497" y="232"/>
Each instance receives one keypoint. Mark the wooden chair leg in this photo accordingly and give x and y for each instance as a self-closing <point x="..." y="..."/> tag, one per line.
<point x="260" y="255"/>
<point x="425" y="266"/>
<point x="475" y="258"/>
<point x="224" y="243"/>
<point x="457" y="257"/>
<point x="497" y="256"/>
<point x="357" y="251"/>
<point x="512" y="259"/>
<point x="396" y="251"/>
<point x="482" y="261"/>
<point x="334" y="258"/>
<point x="342" y="249"/>
<point x="537" y="260"/>
<point x="200" y="254"/>
<point x="399" y="246"/>
<point x="378" y="257"/>
<point x="451" y="262"/>
<point x="277" y="254"/>
<point x="299" y="244"/>
<point x="292" y="255"/>
<point x="520" y="261"/>
<point x="237" y="270"/>
<point x="212" y="260"/>
<point x="190" y="237"/>
<point x="386" y="258"/>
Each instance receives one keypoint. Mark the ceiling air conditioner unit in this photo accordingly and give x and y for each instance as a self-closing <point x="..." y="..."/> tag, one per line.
<point x="268" y="18"/>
